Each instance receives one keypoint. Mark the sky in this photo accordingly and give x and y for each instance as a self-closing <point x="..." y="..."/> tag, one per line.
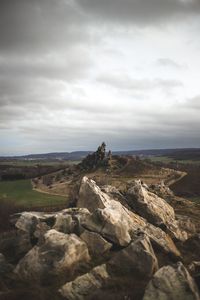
<point x="74" y="73"/>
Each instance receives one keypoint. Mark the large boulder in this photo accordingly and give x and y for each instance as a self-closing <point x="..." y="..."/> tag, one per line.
<point x="154" y="209"/>
<point x="58" y="256"/>
<point x="40" y="230"/>
<point x="70" y="220"/>
<point x="118" y="225"/>
<point x="97" y="245"/>
<point x="186" y="224"/>
<point x="161" y="190"/>
<point x="115" y="223"/>
<point x="161" y="241"/>
<point x="121" y="231"/>
<point x="87" y="285"/>
<point x="91" y="196"/>
<point x="115" y="194"/>
<point x="136" y="263"/>
<point x="194" y="269"/>
<point x="28" y="221"/>
<point x="137" y="260"/>
<point x="191" y="248"/>
<point x="172" y="283"/>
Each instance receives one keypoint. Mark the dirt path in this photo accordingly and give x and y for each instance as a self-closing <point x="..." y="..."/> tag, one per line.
<point x="174" y="180"/>
<point x="45" y="192"/>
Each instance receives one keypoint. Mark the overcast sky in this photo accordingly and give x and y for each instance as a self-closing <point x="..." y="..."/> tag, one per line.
<point x="74" y="73"/>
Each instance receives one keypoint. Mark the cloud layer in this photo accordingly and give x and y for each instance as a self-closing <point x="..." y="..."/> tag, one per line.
<point x="76" y="72"/>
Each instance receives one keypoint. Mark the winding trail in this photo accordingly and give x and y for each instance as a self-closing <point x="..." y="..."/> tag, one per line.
<point x="174" y="180"/>
<point x="46" y="192"/>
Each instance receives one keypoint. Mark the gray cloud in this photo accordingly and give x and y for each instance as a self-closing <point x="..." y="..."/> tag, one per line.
<point x="67" y="66"/>
<point x="76" y="72"/>
<point x="139" y="11"/>
<point x="166" y="62"/>
<point x="121" y="81"/>
<point x="35" y="26"/>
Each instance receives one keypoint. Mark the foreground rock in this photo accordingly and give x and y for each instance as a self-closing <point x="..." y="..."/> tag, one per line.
<point x="27" y="221"/>
<point x="172" y="283"/>
<point x="115" y="223"/>
<point x="191" y="247"/>
<point x="155" y="209"/>
<point x="115" y="194"/>
<point x="58" y="256"/>
<point x="91" y="196"/>
<point x="118" y="225"/>
<point x="137" y="260"/>
<point x="161" y="241"/>
<point x="97" y="245"/>
<point x="70" y="220"/>
<point x="87" y="285"/>
<point x="161" y="190"/>
<point x="194" y="268"/>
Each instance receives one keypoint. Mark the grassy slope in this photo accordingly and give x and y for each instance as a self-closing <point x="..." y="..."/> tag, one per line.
<point x="20" y="191"/>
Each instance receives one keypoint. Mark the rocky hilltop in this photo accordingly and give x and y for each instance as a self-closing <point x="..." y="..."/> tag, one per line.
<point x="111" y="245"/>
<point x="106" y="169"/>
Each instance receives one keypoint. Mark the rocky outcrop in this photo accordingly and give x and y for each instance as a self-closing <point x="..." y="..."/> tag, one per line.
<point x="149" y="205"/>
<point x="91" y="196"/>
<point x="118" y="225"/>
<point x="97" y="159"/>
<point x="58" y="256"/>
<point x="161" y="190"/>
<point x="155" y="209"/>
<point x="85" y="286"/>
<point x="161" y="241"/>
<point x="70" y="220"/>
<point x="103" y="249"/>
<point x="172" y="283"/>
<point x="115" y="223"/>
<point x="27" y="221"/>
<point x="194" y="269"/>
<point x="115" y="194"/>
<point x="137" y="260"/>
<point x="97" y="245"/>
<point x="186" y="224"/>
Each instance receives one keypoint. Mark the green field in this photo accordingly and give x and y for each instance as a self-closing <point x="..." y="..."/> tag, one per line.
<point x="20" y="192"/>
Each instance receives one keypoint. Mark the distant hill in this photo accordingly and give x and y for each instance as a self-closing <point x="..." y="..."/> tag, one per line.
<point x="186" y="154"/>
<point x="178" y="154"/>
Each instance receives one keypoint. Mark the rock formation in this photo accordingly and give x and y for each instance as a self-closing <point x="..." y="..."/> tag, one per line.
<point x="172" y="283"/>
<point x="58" y="256"/>
<point x="112" y="245"/>
<point x="155" y="209"/>
<point x="97" y="159"/>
